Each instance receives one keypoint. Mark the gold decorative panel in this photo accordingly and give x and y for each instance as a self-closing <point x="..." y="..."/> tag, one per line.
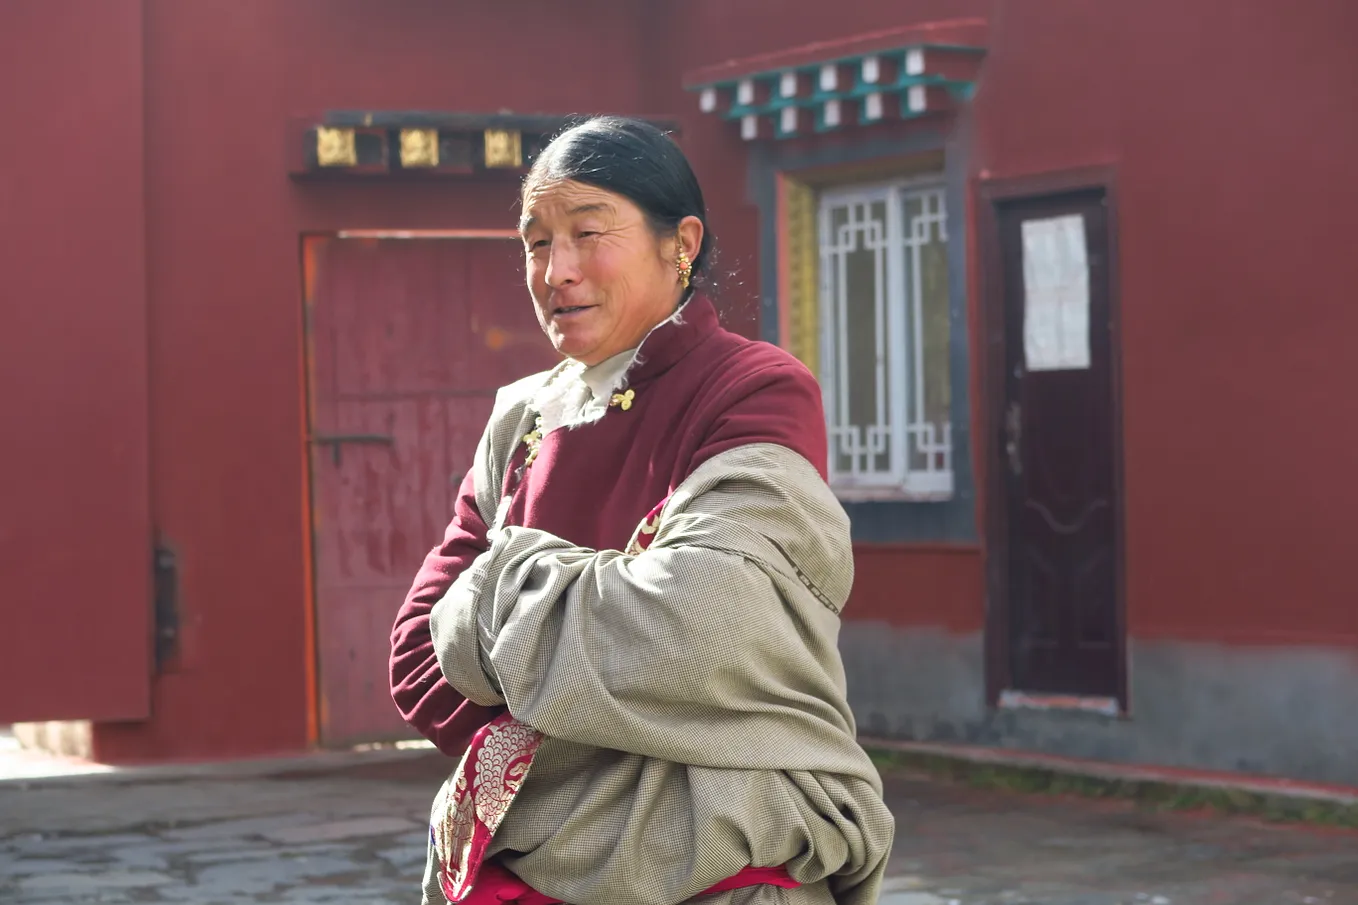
<point x="419" y="148"/>
<point x="803" y="279"/>
<point x="504" y="148"/>
<point x="335" y="147"/>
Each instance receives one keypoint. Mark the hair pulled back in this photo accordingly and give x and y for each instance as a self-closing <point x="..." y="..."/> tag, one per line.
<point x="634" y="159"/>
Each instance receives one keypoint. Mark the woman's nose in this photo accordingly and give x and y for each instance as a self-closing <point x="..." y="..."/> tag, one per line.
<point x="562" y="267"/>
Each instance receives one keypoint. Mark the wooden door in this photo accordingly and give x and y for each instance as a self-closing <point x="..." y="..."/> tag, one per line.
<point x="409" y="340"/>
<point x="1057" y="449"/>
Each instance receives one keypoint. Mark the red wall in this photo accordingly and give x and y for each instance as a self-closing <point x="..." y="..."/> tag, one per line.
<point x="919" y="586"/>
<point x="75" y="537"/>
<point x="1233" y="130"/>
<point x="223" y="226"/>
<point x="1230" y="126"/>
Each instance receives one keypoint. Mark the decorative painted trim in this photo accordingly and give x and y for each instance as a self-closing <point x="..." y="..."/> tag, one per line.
<point x="335" y="148"/>
<point x="965" y="32"/>
<point x="783" y="333"/>
<point x="419" y="148"/>
<point x="823" y="95"/>
<point x="503" y="149"/>
<point x="422" y="144"/>
<point x="799" y="322"/>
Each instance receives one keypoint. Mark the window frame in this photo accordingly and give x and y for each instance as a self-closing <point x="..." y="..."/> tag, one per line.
<point x="903" y="372"/>
<point x="776" y="171"/>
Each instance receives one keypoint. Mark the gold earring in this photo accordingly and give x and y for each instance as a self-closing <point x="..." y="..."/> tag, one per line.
<point x="685" y="268"/>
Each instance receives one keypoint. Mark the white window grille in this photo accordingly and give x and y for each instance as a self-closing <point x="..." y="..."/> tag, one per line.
<point x="884" y="341"/>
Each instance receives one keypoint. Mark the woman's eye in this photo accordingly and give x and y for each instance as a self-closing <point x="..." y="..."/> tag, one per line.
<point x="539" y="243"/>
<point x="585" y="233"/>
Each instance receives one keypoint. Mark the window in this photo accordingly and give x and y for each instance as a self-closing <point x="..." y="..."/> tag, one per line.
<point x="882" y="343"/>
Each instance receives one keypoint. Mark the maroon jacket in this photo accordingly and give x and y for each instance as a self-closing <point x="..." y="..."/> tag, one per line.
<point x="699" y="391"/>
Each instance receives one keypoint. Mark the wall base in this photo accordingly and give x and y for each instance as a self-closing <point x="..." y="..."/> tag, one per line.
<point x="1273" y="711"/>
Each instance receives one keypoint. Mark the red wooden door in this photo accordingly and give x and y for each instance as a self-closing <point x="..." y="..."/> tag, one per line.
<point x="409" y="340"/>
<point x="1058" y="447"/>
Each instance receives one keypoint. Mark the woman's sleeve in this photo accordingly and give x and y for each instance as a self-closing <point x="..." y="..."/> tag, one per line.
<point x="421" y="692"/>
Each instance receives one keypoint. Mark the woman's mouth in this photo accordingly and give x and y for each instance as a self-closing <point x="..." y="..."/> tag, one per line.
<point x="568" y="310"/>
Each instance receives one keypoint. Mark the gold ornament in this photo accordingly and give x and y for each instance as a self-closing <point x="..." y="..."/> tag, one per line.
<point x="503" y="148"/>
<point x="419" y="148"/>
<point x="533" y="440"/>
<point x="685" y="268"/>
<point x="335" y="147"/>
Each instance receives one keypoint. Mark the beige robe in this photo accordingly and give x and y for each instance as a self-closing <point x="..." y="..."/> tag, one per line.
<point x="692" y="695"/>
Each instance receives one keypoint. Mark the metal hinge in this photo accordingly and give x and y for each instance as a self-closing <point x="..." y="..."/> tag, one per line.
<point x="165" y="589"/>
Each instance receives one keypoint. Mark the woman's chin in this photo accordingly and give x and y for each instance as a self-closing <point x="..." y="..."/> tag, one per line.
<point x="572" y="345"/>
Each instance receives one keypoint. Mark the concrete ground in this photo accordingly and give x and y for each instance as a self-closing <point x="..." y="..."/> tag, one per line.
<point x="340" y="829"/>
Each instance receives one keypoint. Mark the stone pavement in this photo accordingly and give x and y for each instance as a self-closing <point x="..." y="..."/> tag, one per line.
<point x="350" y="829"/>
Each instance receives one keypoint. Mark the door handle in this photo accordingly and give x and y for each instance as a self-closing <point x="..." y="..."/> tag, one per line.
<point x="335" y="441"/>
<point x="1013" y="437"/>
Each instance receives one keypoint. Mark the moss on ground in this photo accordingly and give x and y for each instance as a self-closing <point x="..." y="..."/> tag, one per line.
<point x="1154" y="794"/>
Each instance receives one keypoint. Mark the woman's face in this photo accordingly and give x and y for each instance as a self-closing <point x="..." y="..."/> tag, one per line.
<point x="600" y="278"/>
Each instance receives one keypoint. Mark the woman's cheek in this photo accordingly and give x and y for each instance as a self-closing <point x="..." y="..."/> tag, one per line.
<point x="533" y="275"/>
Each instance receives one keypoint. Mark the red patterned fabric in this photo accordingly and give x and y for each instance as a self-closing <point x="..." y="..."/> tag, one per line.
<point x="474" y="803"/>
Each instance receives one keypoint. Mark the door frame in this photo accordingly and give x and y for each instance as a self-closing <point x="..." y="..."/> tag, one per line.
<point x="990" y="195"/>
<point x="306" y="361"/>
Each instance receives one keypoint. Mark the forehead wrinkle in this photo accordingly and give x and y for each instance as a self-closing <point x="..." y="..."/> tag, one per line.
<point x="529" y="221"/>
<point x="589" y="208"/>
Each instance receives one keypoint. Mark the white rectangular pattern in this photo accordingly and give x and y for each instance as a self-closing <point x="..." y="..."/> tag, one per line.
<point x="873" y="302"/>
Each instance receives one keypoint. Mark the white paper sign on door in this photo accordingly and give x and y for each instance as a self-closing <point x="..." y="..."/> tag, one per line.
<point x="1056" y="294"/>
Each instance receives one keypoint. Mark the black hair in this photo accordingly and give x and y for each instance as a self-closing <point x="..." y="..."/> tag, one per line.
<point x="632" y="158"/>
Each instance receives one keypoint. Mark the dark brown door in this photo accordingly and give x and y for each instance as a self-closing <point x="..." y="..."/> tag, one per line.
<point x="410" y="338"/>
<point x="1057" y="447"/>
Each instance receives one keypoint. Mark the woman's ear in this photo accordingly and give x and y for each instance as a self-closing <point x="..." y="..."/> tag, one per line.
<point x="690" y="237"/>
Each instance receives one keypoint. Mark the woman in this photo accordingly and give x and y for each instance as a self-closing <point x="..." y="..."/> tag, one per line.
<point x="638" y="597"/>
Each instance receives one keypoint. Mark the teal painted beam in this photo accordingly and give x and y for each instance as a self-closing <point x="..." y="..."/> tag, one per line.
<point x="899" y="86"/>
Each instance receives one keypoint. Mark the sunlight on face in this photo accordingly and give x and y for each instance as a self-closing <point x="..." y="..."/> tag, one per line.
<point x="599" y="276"/>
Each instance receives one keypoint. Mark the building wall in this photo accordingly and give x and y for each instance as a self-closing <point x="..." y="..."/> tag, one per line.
<point x="223" y="272"/>
<point x="1228" y="132"/>
<point x="1235" y="391"/>
<point x="75" y="535"/>
<point x="1234" y="276"/>
<point x="223" y="226"/>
